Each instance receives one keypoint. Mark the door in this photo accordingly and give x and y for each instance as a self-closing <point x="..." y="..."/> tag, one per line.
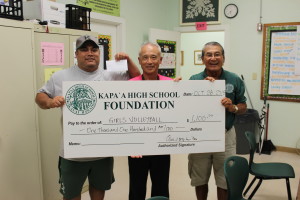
<point x="169" y="41"/>
<point x="193" y="42"/>
<point x="112" y="30"/>
<point x="107" y="38"/>
<point x="185" y="66"/>
<point x="50" y="126"/>
<point x="50" y="120"/>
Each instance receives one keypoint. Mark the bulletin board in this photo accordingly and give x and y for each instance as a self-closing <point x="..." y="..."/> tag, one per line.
<point x="168" y="53"/>
<point x="104" y="42"/>
<point x="281" y="62"/>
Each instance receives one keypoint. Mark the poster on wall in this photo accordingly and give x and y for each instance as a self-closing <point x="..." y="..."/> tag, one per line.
<point x="168" y="52"/>
<point x="199" y="11"/>
<point x="282" y="78"/>
<point x="105" y="49"/>
<point x="52" y="53"/>
<point x="280" y="54"/>
<point x="48" y="72"/>
<point x="108" y="7"/>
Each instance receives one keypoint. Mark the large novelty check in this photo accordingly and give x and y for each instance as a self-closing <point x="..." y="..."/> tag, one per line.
<point x="121" y="118"/>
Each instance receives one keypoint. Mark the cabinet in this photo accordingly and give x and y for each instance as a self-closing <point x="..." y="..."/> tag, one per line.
<point x="20" y="169"/>
<point x="29" y="137"/>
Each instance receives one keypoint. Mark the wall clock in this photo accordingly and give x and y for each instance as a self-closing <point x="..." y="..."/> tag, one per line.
<point x="231" y="11"/>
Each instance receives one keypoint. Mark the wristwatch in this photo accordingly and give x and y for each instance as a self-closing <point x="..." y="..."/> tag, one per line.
<point x="236" y="109"/>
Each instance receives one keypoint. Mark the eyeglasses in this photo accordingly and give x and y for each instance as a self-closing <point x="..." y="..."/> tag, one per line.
<point x="146" y="58"/>
<point x="216" y="55"/>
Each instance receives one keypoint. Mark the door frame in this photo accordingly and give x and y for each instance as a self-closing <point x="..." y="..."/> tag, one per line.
<point x="115" y="21"/>
<point x="213" y="28"/>
<point x="155" y="34"/>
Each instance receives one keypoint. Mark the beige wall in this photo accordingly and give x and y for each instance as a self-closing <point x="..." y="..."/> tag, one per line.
<point x="245" y="48"/>
<point x="246" y="59"/>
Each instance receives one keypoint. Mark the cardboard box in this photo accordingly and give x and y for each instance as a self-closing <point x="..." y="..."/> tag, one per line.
<point x="44" y="10"/>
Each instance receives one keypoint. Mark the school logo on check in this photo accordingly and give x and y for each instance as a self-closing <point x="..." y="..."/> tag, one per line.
<point x="81" y="99"/>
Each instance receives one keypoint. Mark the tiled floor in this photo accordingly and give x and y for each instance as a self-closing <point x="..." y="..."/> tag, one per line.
<point x="180" y="188"/>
